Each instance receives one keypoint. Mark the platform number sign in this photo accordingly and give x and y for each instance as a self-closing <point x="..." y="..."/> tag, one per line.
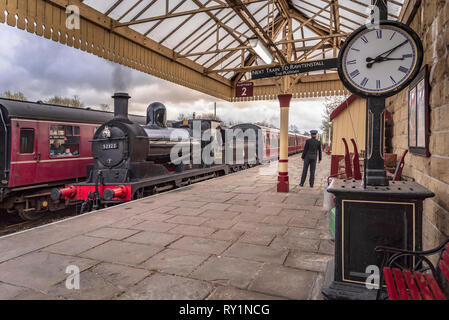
<point x="380" y="62"/>
<point x="244" y="90"/>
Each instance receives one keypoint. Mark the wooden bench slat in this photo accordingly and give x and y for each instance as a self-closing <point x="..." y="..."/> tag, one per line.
<point x="444" y="269"/>
<point x="445" y="257"/>
<point x="435" y="287"/>
<point x="411" y="284"/>
<point x="400" y="284"/>
<point x="422" y="283"/>
<point x="391" y="287"/>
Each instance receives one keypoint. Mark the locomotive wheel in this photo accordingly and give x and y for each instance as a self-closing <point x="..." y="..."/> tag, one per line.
<point x="31" y="215"/>
<point x="138" y="194"/>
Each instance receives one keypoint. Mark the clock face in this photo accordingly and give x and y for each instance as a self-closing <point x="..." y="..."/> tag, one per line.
<point x="382" y="61"/>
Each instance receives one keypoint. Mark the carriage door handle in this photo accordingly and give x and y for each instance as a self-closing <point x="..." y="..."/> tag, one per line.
<point x="38" y="157"/>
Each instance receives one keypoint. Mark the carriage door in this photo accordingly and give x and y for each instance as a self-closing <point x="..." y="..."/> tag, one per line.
<point x="25" y="155"/>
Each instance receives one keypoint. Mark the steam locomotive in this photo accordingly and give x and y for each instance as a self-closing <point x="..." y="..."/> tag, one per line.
<point x="132" y="160"/>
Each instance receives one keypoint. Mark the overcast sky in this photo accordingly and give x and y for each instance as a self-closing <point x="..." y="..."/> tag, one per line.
<point x="41" y="68"/>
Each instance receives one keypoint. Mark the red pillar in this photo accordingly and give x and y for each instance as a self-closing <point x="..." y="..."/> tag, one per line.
<point x="283" y="184"/>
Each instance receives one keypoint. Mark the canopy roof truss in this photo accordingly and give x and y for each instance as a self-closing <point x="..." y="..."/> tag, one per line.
<point x="202" y="44"/>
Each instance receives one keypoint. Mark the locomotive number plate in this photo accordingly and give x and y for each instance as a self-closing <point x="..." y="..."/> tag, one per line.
<point x="108" y="146"/>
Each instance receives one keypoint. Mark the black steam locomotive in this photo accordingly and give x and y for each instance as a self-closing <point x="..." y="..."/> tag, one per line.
<point x="131" y="160"/>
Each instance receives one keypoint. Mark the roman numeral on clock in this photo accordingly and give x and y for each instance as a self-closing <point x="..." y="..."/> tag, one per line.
<point x="364" y="82"/>
<point x="355" y="73"/>
<point x="403" y="69"/>
<point x="364" y="39"/>
<point x="378" y="84"/>
<point x="392" y="79"/>
<point x="379" y="34"/>
<point x="352" y="62"/>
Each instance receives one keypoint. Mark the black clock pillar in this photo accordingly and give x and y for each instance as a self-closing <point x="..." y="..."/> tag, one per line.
<point x="375" y="123"/>
<point x="375" y="130"/>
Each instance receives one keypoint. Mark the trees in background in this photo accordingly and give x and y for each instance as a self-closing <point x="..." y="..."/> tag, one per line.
<point x="15" y="96"/>
<point x="68" y="102"/>
<point x="330" y="104"/>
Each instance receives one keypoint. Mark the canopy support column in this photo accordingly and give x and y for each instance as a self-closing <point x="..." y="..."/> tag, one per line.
<point x="283" y="184"/>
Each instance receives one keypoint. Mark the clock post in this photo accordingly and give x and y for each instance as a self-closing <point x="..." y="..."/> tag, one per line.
<point x="375" y="122"/>
<point x="375" y="212"/>
<point x="375" y="130"/>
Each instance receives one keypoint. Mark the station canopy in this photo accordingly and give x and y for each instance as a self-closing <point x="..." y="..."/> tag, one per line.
<point x="203" y="44"/>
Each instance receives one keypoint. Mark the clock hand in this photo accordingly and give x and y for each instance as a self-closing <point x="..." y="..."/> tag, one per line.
<point x="381" y="56"/>
<point x="378" y="60"/>
<point x="392" y="50"/>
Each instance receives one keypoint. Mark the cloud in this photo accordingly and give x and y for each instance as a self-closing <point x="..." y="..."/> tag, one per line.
<point x="41" y="68"/>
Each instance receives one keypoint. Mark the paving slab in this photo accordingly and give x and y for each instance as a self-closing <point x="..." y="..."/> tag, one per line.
<point x="194" y="221"/>
<point x="307" y="260"/>
<point x="40" y="270"/>
<point x="155" y="238"/>
<point x="168" y="287"/>
<point x="219" y="224"/>
<point x="226" y="235"/>
<point x="173" y="261"/>
<point x="76" y="245"/>
<point x="231" y="293"/>
<point x="202" y="245"/>
<point x="155" y="226"/>
<point x="257" y="253"/>
<point x="122" y="252"/>
<point x="8" y="291"/>
<point x="227" y="271"/>
<point x="263" y="239"/>
<point x="112" y="233"/>
<point x="284" y="282"/>
<point x="198" y="231"/>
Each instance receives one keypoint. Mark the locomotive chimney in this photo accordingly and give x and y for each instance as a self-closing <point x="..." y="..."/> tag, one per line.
<point x="121" y="106"/>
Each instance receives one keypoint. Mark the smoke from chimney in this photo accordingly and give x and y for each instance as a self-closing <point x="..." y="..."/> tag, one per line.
<point x="121" y="78"/>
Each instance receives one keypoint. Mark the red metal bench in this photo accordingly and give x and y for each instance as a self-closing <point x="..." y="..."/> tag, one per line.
<point x="423" y="281"/>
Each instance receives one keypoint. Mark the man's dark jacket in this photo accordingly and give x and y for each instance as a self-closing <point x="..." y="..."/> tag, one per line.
<point x="312" y="147"/>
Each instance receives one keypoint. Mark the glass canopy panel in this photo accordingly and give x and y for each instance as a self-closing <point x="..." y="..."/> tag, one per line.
<point x="187" y="32"/>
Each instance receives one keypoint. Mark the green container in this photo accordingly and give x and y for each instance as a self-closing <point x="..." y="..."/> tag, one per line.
<point x="332" y="223"/>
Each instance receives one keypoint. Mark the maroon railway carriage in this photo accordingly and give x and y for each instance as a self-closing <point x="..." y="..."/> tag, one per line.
<point x="271" y="141"/>
<point x="29" y="166"/>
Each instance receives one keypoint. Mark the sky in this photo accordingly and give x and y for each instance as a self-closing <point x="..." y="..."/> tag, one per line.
<point x="42" y="68"/>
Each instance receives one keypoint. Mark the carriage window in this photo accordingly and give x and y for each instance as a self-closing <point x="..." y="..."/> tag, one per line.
<point x="64" y="141"/>
<point x="26" y="140"/>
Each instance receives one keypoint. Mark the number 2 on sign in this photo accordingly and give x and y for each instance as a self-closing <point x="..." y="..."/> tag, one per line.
<point x="244" y="91"/>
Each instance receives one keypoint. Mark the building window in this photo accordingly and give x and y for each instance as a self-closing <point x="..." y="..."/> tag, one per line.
<point x="26" y="140"/>
<point x="418" y="114"/>
<point x="64" y="141"/>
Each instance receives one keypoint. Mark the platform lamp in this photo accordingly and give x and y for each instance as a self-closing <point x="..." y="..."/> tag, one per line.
<point x="261" y="50"/>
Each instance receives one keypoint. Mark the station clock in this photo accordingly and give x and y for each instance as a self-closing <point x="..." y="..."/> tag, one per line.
<point x="380" y="62"/>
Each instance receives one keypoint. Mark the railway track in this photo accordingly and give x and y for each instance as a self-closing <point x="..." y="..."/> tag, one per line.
<point x="11" y="223"/>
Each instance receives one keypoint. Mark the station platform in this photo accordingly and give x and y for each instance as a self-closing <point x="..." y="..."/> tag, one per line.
<point x="233" y="237"/>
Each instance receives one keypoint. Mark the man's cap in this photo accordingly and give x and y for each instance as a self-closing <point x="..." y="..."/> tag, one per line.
<point x="313" y="131"/>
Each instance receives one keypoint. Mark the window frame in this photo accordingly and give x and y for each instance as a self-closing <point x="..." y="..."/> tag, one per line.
<point x="20" y="141"/>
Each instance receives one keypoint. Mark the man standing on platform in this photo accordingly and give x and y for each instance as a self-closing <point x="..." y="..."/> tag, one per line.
<point x="309" y="156"/>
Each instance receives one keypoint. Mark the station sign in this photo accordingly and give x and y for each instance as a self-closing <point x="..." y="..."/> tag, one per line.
<point x="294" y="68"/>
<point x="244" y="89"/>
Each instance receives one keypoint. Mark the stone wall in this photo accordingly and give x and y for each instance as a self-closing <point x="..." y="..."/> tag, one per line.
<point x="431" y="22"/>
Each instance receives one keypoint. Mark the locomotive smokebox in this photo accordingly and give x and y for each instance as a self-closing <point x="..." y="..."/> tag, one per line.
<point x="121" y="106"/>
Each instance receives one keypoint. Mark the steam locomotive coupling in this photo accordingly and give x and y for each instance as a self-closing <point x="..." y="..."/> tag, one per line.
<point x="47" y="150"/>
